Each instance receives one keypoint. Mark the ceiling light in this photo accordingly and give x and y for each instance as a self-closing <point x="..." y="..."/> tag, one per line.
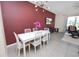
<point x="42" y="4"/>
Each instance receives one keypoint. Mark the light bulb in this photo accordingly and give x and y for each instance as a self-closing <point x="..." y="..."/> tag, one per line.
<point x="36" y="9"/>
<point x="36" y="6"/>
<point x="43" y="10"/>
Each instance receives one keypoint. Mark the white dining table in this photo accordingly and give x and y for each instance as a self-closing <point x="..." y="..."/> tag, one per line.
<point x="27" y="37"/>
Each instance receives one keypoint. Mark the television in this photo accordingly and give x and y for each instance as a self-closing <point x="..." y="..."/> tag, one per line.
<point x="48" y="21"/>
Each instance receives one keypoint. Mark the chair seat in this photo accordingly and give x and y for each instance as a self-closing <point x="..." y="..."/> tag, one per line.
<point x="36" y="43"/>
<point x="44" y="40"/>
<point x="21" y="45"/>
<point x="75" y="34"/>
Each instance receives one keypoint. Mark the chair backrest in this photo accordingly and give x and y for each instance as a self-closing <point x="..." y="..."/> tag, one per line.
<point x="46" y="29"/>
<point x="27" y="30"/>
<point x="17" y="39"/>
<point x="37" y="37"/>
<point x="72" y="28"/>
<point x="45" y="37"/>
<point x="35" y="29"/>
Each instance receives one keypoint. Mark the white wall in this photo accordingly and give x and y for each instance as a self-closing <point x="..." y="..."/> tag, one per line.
<point x="2" y="37"/>
<point x="60" y="22"/>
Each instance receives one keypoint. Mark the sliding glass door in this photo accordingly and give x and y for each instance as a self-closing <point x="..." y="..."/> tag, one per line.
<point x="73" y="21"/>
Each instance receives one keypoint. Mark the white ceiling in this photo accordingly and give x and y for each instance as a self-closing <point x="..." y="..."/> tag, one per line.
<point x="69" y="8"/>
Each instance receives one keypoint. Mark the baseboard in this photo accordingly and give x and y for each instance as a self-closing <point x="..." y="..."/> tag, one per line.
<point x="11" y="45"/>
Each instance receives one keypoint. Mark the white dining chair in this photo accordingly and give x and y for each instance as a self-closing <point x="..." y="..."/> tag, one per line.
<point x="46" y="29"/>
<point x="19" y="44"/>
<point x="35" y="29"/>
<point x="27" y="30"/>
<point x="45" y="38"/>
<point x="37" y="40"/>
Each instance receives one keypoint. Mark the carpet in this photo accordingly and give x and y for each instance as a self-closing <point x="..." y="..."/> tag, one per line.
<point x="69" y="39"/>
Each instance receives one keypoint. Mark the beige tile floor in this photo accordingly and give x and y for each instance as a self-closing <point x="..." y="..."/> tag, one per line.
<point x="55" y="48"/>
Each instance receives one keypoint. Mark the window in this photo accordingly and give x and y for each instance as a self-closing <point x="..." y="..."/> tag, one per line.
<point x="77" y="22"/>
<point x="73" y="21"/>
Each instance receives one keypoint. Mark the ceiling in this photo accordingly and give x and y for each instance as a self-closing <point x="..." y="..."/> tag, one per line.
<point x="68" y="8"/>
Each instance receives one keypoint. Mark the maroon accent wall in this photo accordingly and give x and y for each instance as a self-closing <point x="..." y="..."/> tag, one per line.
<point x="20" y="15"/>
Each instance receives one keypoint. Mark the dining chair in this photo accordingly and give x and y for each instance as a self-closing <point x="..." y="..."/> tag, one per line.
<point x="46" y="29"/>
<point x="27" y="30"/>
<point x="35" y="29"/>
<point x="19" y="44"/>
<point x="37" y="40"/>
<point x="45" y="38"/>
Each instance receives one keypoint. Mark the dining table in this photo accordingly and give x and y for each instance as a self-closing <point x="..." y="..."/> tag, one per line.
<point x="27" y="37"/>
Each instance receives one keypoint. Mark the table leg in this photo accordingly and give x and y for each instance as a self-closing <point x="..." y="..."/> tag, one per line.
<point x="24" y="50"/>
<point x="49" y="36"/>
<point x="29" y="48"/>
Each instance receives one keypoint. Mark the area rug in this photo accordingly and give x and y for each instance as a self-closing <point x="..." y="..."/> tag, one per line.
<point x="69" y="39"/>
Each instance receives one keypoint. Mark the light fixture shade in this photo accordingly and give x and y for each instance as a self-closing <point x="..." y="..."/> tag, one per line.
<point x="42" y="4"/>
<point x="36" y="6"/>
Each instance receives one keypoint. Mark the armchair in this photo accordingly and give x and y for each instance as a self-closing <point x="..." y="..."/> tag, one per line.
<point x="73" y="31"/>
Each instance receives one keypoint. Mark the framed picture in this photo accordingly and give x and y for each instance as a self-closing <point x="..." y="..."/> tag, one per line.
<point x="49" y="21"/>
